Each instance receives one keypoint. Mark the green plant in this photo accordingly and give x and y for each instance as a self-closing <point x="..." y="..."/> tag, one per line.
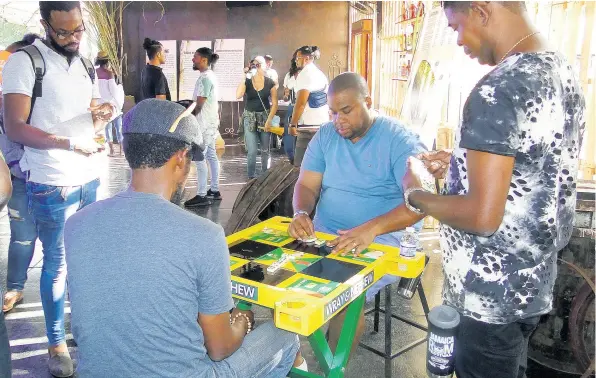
<point x="106" y="26"/>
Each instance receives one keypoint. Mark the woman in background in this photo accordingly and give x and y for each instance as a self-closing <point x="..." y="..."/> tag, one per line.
<point x="290" y="96"/>
<point x="113" y="93"/>
<point x="258" y="113"/>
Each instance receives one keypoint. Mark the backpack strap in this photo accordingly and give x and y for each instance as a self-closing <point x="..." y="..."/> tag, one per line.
<point x="39" y="68"/>
<point x="90" y="68"/>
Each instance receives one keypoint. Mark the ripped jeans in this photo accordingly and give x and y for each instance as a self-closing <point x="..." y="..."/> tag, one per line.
<point x="23" y="235"/>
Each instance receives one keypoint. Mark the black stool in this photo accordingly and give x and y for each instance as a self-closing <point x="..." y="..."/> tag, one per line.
<point x="387" y="353"/>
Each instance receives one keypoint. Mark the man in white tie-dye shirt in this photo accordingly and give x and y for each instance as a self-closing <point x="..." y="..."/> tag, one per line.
<point x="509" y="197"/>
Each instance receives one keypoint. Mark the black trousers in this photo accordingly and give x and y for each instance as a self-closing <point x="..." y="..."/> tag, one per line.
<point x="5" y="371"/>
<point x="485" y="350"/>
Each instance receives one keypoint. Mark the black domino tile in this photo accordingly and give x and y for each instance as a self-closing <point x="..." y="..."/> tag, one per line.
<point x="299" y="246"/>
<point x="250" y="249"/>
<point x="258" y="273"/>
<point x="333" y="270"/>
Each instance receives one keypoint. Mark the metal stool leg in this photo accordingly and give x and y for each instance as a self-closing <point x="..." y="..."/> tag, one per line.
<point x="388" y="333"/>
<point x="422" y="296"/>
<point x="376" y="311"/>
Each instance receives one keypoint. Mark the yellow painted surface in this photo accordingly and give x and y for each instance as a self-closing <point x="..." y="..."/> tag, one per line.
<point x="302" y="311"/>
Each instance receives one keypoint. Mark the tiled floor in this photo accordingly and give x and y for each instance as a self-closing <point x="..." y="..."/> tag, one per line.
<point x="27" y="331"/>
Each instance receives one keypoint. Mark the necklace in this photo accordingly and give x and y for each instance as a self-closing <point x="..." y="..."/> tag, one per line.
<point x="514" y="46"/>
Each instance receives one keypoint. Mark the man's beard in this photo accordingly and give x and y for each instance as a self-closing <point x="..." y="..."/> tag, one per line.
<point x="195" y="68"/>
<point x="177" y="195"/>
<point x="60" y="49"/>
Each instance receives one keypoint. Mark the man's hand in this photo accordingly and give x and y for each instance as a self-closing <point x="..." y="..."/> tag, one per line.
<point x="353" y="241"/>
<point x="248" y="313"/>
<point x="87" y="146"/>
<point x="301" y="227"/>
<point x="412" y="178"/>
<point x="293" y="130"/>
<point x="436" y="162"/>
<point x="102" y="112"/>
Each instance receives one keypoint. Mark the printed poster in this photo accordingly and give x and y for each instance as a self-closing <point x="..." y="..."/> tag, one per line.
<point x="188" y="76"/>
<point x="230" y="67"/>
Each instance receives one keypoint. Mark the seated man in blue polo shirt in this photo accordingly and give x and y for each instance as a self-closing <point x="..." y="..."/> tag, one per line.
<point x="354" y="167"/>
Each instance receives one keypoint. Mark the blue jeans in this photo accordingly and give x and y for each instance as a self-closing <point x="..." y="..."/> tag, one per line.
<point x="211" y="157"/>
<point x="117" y="124"/>
<point x="252" y="139"/>
<point x="266" y="352"/>
<point x="23" y="235"/>
<point x="289" y="140"/>
<point x="51" y="206"/>
<point x="5" y="370"/>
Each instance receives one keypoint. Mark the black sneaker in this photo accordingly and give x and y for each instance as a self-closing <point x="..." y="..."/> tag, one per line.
<point x="198" y="201"/>
<point x="216" y="196"/>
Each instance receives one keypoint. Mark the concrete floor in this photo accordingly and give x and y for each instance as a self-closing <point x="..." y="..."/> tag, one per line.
<point x="26" y="324"/>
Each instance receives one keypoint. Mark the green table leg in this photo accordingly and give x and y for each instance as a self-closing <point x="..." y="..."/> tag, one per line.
<point x="244" y="306"/>
<point x="334" y="366"/>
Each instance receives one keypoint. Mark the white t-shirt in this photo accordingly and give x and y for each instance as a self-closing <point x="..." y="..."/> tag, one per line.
<point x="312" y="79"/>
<point x="207" y="86"/>
<point x="112" y="93"/>
<point x="272" y="74"/>
<point x="62" y="110"/>
<point x="289" y="81"/>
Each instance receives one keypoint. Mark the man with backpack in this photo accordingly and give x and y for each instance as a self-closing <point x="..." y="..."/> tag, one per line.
<point x="50" y="99"/>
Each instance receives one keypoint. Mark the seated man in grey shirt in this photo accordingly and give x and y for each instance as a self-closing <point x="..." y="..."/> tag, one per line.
<point x="150" y="282"/>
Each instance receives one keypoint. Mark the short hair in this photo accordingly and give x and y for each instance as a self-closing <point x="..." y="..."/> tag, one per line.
<point x="144" y="151"/>
<point x="268" y="58"/>
<point x="460" y="6"/>
<point x="206" y="52"/>
<point x="27" y="40"/>
<point x="47" y="7"/>
<point x="152" y="47"/>
<point x="349" y="81"/>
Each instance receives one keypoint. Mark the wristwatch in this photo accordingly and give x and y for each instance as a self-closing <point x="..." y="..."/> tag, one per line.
<point x="407" y="199"/>
<point x="71" y="144"/>
<point x="301" y="212"/>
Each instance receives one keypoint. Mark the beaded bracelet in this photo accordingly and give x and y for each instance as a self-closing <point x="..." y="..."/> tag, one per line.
<point x="233" y="320"/>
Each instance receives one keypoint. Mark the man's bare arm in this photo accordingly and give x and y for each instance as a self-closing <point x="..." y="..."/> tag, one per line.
<point x="200" y="102"/>
<point x="307" y="190"/>
<point x="222" y="339"/>
<point x="481" y="210"/>
<point x="16" y="112"/>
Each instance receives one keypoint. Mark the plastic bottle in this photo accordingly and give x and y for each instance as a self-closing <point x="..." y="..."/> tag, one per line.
<point x="408" y="243"/>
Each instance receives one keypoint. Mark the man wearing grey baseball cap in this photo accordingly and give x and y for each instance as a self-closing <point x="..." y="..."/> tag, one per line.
<point x="150" y="282"/>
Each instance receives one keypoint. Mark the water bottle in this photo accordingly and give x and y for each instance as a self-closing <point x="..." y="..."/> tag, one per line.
<point x="408" y="243"/>
<point x="443" y="322"/>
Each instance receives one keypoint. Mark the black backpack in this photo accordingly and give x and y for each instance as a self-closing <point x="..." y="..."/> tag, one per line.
<point x="39" y="68"/>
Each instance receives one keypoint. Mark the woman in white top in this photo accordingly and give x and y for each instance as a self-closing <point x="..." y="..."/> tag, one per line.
<point x="113" y="93"/>
<point x="311" y="109"/>
<point x="290" y="96"/>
